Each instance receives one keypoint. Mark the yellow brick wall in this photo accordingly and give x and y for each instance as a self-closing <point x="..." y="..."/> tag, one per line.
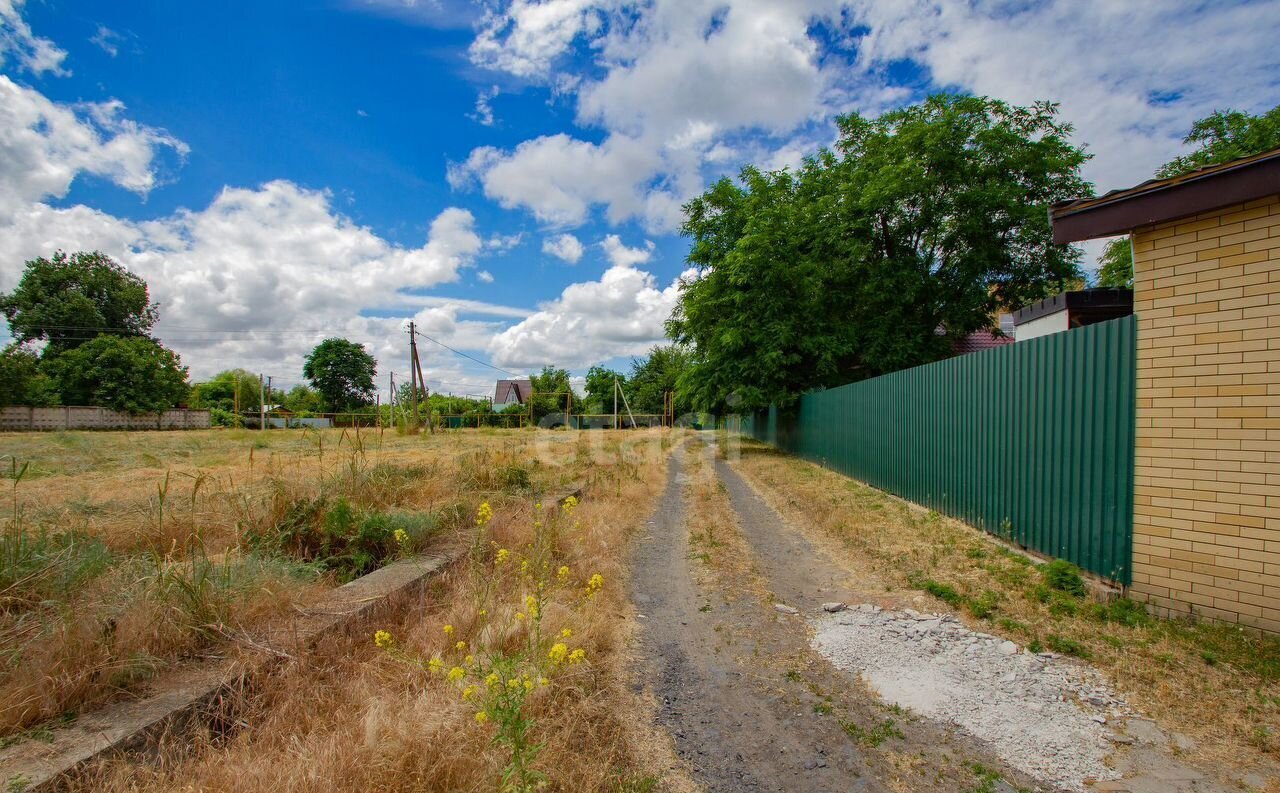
<point x="1207" y="500"/>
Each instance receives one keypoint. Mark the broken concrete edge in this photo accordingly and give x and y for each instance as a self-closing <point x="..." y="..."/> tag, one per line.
<point x="190" y="695"/>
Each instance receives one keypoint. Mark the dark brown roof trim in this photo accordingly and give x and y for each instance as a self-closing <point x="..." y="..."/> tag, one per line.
<point x="1161" y="200"/>
<point x="1100" y="300"/>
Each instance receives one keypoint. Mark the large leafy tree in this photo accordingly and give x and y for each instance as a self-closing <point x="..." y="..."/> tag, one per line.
<point x="922" y="224"/>
<point x="130" y="373"/>
<point x="69" y="299"/>
<point x="342" y="371"/>
<point x="1225" y="136"/>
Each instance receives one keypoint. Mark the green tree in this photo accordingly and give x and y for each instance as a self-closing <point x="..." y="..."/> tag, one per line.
<point x="220" y="391"/>
<point x="130" y="373"/>
<point x="652" y="377"/>
<point x="599" y="389"/>
<point x="342" y="372"/>
<point x="921" y="225"/>
<point x="22" y="382"/>
<point x="1116" y="264"/>
<point x="550" y="391"/>
<point x="68" y="300"/>
<point x="302" y="399"/>
<point x="1225" y="136"/>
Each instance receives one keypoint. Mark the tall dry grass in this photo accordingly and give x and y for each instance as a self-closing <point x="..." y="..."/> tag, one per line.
<point x="352" y="716"/>
<point x="124" y="553"/>
<point x="1218" y="684"/>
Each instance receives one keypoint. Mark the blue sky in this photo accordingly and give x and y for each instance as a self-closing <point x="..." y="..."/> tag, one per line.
<point x="509" y="173"/>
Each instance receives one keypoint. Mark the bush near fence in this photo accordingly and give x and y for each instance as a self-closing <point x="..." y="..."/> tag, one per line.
<point x="1031" y="441"/>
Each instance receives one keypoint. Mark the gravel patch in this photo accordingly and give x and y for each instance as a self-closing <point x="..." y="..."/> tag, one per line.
<point x="1042" y="714"/>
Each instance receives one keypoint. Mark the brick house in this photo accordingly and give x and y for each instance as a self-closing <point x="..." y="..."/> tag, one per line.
<point x="1206" y="250"/>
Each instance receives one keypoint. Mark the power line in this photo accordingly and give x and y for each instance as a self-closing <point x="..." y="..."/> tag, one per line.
<point x="464" y="355"/>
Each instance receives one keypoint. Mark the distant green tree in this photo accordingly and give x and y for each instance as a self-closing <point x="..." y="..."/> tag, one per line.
<point x="1224" y="136"/>
<point x="551" y="387"/>
<point x="599" y="390"/>
<point x="342" y="371"/>
<point x="653" y="376"/>
<point x="68" y="300"/>
<point x="302" y="399"/>
<point x="129" y="373"/>
<point x="22" y="382"/>
<point x="928" y="218"/>
<point x="220" y="391"/>
<point x="1116" y="264"/>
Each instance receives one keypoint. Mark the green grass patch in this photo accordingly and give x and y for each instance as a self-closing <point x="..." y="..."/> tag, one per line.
<point x="873" y="736"/>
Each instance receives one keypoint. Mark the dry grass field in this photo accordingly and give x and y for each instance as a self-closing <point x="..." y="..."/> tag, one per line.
<point x="128" y="552"/>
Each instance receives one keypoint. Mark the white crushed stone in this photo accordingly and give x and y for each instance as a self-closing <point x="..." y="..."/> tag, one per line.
<point x="1040" y="713"/>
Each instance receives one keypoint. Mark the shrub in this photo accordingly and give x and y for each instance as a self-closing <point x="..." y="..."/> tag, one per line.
<point x="984" y="605"/>
<point x="1122" y="611"/>
<point x="944" y="592"/>
<point x="1066" y="646"/>
<point x="1064" y="577"/>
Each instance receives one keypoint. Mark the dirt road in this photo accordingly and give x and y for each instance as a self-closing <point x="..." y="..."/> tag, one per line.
<point x="750" y="706"/>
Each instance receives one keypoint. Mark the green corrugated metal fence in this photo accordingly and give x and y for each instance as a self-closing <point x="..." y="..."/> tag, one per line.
<point x="1032" y="441"/>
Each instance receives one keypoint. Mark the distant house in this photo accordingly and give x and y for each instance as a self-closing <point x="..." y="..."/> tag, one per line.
<point x="1071" y="310"/>
<point x="984" y="339"/>
<point x="511" y="392"/>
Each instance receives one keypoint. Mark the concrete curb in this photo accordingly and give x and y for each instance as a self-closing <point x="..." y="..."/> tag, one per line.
<point x="198" y="693"/>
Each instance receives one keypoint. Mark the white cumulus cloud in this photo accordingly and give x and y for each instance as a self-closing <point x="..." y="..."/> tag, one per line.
<point x="621" y="256"/>
<point x="564" y="246"/>
<point x="622" y="313"/>
<point x="33" y="53"/>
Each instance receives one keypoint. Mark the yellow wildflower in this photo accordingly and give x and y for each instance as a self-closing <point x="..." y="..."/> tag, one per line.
<point x="524" y="567"/>
<point x="563" y="574"/>
<point x="577" y="656"/>
<point x="503" y="556"/>
<point x="484" y="514"/>
<point x="469" y="660"/>
<point x="492" y="681"/>
<point x="542" y="681"/>
<point x="538" y="505"/>
<point x="456" y="674"/>
<point x="402" y="537"/>
<point x="531" y="605"/>
<point x="595" y="584"/>
<point x="448" y="630"/>
<point x="513" y="683"/>
<point x="484" y="612"/>
<point x="435" y="665"/>
<point x="559" y="651"/>
<point x="569" y="504"/>
<point x="468" y="693"/>
<point x="528" y="684"/>
<point x="382" y="639"/>
<point x="460" y="646"/>
<point x="566" y="633"/>
<point x="481" y="717"/>
<point x="519" y="615"/>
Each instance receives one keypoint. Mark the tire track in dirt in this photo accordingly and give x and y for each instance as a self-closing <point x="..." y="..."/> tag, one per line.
<point x="750" y="706"/>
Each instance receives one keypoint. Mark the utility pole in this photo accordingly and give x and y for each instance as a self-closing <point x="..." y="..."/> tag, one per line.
<point x="392" y="400"/>
<point x="615" y="403"/>
<point x="262" y="404"/>
<point x="413" y="372"/>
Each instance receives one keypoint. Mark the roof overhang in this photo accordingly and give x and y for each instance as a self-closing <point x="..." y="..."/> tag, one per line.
<point x="1162" y="200"/>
